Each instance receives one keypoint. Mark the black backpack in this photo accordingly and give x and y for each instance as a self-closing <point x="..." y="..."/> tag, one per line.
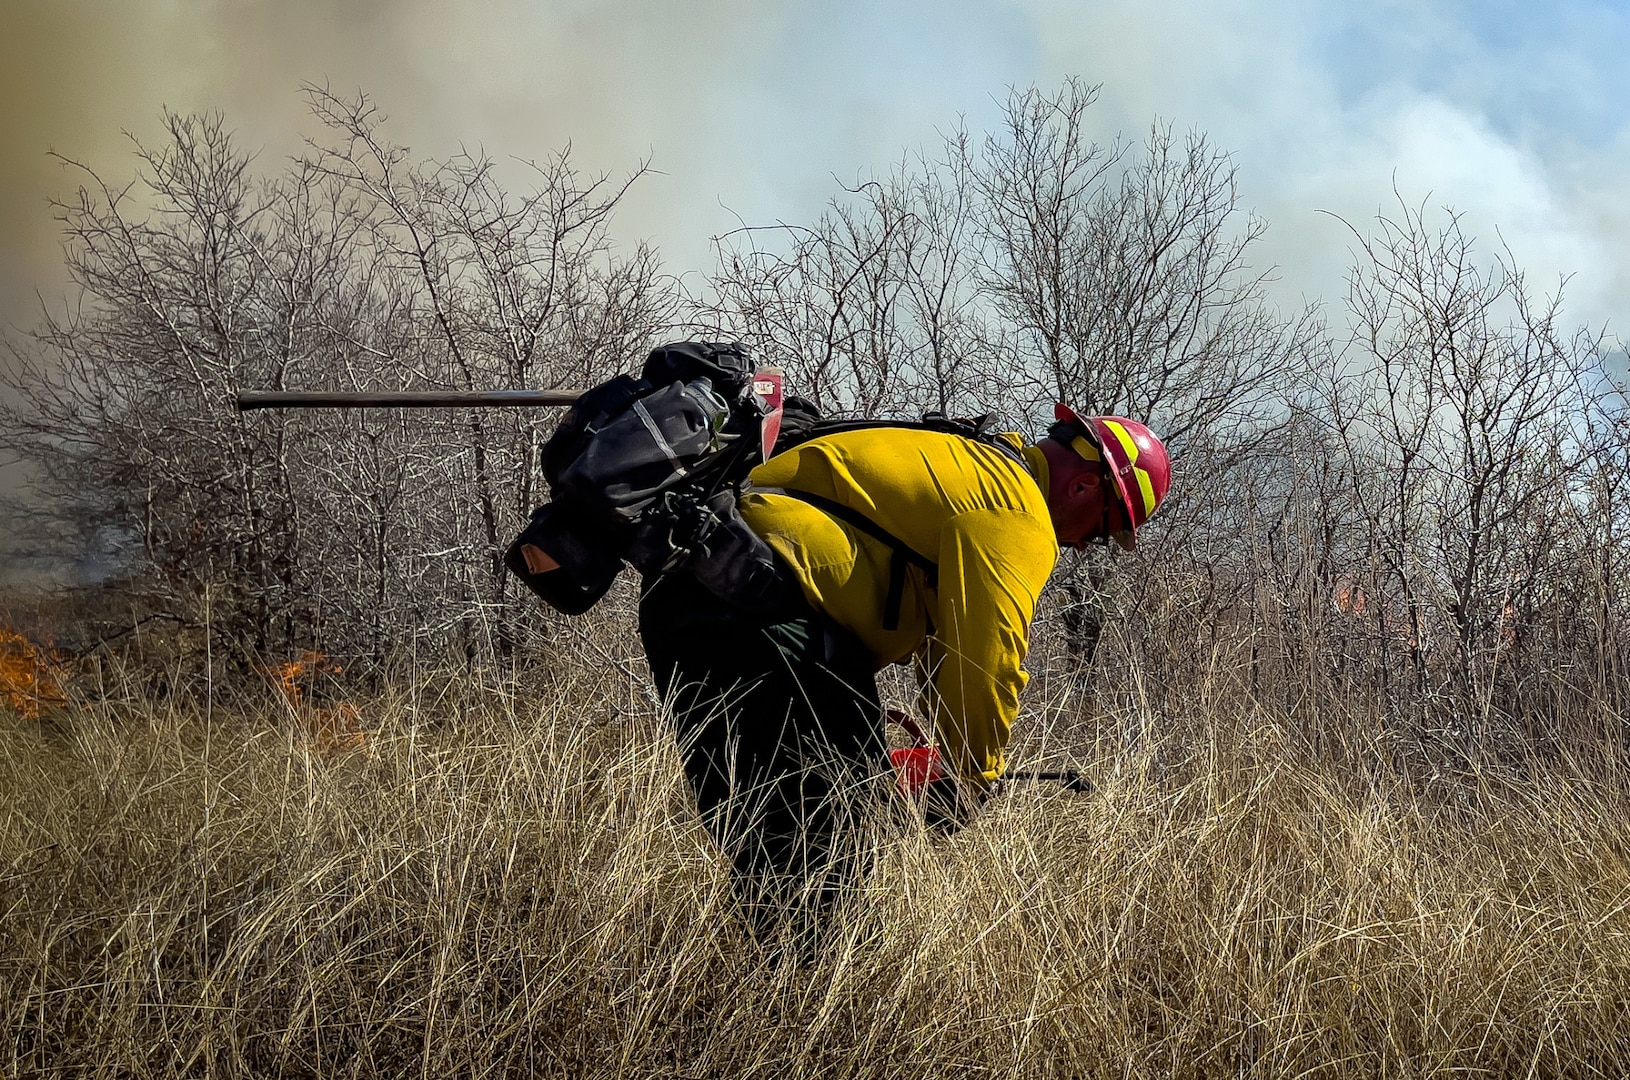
<point x="646" y="472"/>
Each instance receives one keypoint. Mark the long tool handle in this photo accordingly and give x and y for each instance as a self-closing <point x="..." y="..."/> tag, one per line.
<point x="1070" y="779"/>
<point x="249" y="400"/>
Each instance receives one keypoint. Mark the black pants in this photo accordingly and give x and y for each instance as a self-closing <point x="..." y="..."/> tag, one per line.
<point x="781" y="731"/>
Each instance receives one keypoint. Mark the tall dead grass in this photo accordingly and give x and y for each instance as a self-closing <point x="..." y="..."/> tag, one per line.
<point x="499" y="882"/>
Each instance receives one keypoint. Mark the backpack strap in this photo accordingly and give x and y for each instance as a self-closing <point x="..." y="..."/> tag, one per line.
<point x="903" y="554"/>
<point x="802" y="424"/>
<point x="982" y="429"/>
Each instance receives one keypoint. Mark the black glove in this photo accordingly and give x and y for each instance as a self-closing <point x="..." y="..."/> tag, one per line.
<point x="948" y="806"/>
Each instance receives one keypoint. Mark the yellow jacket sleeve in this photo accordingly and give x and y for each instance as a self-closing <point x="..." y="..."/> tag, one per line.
<point x="992" y="567"/>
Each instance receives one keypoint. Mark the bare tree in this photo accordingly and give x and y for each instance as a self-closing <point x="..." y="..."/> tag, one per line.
<point x="1423" y="518"/>
<point x="1128" y="276"/>
<point x="876" y="309"/>
<point x="354" y="268"/>
<point x="1457" y="402"/>
<point x="1123" y="278"/>
<point x="520" y="291"/>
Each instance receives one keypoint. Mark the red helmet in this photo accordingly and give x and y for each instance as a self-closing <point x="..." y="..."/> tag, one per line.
<point x="1133" y="456"/>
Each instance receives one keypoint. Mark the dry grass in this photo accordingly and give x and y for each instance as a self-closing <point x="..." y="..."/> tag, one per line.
<point x="503" y="884"/>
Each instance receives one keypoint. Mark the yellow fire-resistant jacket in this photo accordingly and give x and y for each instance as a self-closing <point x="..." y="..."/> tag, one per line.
<point x="967" y="507"/>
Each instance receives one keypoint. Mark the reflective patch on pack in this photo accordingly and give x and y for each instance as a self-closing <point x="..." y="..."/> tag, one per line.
<point x="657" y="436"/>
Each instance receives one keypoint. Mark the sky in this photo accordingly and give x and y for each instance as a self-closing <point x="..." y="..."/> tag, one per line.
<point x="752" y="112"/>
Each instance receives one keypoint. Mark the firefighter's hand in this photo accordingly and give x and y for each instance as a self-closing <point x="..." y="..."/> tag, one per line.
<point x="947" y="805"/>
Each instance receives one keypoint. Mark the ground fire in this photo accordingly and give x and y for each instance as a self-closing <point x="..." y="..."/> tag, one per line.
<point x="333" y="728"/>
<point x="29" y="675"/>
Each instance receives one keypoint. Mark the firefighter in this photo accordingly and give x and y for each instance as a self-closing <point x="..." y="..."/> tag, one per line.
<point x="903" y="546"/>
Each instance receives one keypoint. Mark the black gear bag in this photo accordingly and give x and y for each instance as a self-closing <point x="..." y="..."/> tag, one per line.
<point x="645" y="471"/>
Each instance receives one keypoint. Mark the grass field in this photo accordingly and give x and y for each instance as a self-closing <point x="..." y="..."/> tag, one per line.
<point x="490" y="882"/>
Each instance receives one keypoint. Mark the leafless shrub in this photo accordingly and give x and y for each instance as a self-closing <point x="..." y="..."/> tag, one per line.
<point x="1422" y="520"/>
<point x="355" y="268"/>
<point x="1124" y="278"/>
<point x="1457" y="407"/>
<point x="874" y="310"/>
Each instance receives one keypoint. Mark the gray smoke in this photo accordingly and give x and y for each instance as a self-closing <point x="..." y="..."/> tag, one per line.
<point x="754" y="111"/>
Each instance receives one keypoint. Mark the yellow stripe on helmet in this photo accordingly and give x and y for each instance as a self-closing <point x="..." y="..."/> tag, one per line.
<point x="1124" y="437"/>
<point x="1147" y="490"/>
<point x="1082" y="446"/>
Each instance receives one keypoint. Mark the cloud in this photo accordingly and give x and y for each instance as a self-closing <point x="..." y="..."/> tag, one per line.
<point x="519" y="77"/>
<point x="55" y="60"/>
<point x="1443" y="150"/>
<point x="746" y="107"/>
<point x="1502" y="115"/>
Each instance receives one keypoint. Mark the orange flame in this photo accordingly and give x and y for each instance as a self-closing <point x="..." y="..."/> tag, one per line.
<point x="334" y="729"/>
<point x="1508" y="625"/>
<point x="1349" y="598"/>
<point x="288" y="678"/>
<point x="29" y="675"/>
